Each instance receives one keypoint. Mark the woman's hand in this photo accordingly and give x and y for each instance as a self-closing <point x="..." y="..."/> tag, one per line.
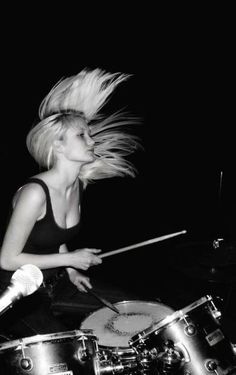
<point x="84" y="258"/>
<point x="79" y="280"/>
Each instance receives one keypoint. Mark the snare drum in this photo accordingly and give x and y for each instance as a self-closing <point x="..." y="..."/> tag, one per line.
<point x="115" y="330"/>
<point x="63" y="353"/>
<point x="190" y="341"/>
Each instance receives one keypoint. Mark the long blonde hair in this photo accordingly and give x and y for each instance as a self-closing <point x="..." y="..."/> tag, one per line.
<point x="83" y="96"/>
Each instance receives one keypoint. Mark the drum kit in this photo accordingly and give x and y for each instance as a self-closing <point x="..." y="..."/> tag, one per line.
<point x="130" y="338"/>
<point x="144" y="338"/>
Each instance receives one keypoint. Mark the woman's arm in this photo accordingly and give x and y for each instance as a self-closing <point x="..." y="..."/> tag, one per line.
<point x="77" y="278"/>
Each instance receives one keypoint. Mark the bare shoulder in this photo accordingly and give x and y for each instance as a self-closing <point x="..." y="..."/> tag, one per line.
<point x="30" y="193"/>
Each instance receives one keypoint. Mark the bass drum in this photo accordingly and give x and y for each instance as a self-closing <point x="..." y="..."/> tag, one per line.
<point x="114" y="331"/>
<point x="64" y="353"/>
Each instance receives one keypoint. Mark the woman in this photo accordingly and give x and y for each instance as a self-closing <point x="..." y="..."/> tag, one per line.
<point x="74" y="145"/>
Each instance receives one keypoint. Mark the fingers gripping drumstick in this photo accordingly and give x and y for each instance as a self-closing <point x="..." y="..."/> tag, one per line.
<point x="157" y="239"/>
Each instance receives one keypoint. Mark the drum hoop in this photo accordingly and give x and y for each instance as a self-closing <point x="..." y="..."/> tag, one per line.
<point x="195" y="304"/>
<point x="179" y="314"/>
<point x="47" y="337"/>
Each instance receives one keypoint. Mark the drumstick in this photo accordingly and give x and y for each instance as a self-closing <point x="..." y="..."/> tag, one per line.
<point x="157" y="239"/>
<point x="102" y="300"/>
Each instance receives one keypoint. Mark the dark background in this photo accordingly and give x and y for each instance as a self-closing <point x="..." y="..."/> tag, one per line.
<point x="182" y="85"/>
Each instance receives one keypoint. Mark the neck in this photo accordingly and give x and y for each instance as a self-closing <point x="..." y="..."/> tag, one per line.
<point x="65" y="178"/>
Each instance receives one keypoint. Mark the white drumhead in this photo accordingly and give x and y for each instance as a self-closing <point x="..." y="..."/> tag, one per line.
<point x="115" y="330"/>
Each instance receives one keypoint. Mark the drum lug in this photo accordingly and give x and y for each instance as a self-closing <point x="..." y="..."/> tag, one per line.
<point x="190" y="330"/>
<point x="82" y="351"/>
<point x="215" y="312"/>
<point x="26" y="364"/>
<point x="211" y="365"/>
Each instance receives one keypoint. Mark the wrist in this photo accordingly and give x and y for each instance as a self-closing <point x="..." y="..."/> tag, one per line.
<point x="68" y="260"/>
<point x="70" y="270"/>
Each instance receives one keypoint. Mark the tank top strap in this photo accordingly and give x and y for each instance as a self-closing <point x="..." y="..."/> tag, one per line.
<point x="45" y="189"/>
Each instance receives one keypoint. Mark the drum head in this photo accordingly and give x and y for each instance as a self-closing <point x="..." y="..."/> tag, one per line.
<point x="115" y="330"/>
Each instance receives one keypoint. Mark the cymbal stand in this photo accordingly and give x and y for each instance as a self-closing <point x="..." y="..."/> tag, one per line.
<point x="217" y="243"/>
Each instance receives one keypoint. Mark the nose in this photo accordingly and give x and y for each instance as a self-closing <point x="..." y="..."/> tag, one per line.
<point x="90" y="141"/>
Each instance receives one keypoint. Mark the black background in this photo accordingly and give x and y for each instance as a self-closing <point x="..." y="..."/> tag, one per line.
<point x="182" y="85"/>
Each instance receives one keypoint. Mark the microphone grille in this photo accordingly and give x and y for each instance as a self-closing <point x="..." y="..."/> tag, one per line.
<point x="29" y="278"/>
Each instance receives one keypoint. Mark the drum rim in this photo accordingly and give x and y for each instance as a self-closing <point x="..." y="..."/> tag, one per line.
<point x="46" y="337"/>
<point x="170" y="319"/>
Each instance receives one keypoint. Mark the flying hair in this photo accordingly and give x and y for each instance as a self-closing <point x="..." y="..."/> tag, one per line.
<point x="86" y="93"/>
<point x="83" y="96"/>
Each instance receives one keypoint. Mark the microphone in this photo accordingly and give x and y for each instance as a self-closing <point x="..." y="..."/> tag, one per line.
<point x="24" y="281"/>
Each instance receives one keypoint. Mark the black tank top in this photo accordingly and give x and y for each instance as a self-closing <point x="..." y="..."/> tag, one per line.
<point x="46" y="236"/>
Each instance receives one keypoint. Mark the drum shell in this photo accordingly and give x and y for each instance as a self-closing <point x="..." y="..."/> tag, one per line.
<point x="65" y="353"/>
<point x="207" y="342"/>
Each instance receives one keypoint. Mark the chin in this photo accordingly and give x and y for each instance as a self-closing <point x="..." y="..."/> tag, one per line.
<point x="90" y="159"/>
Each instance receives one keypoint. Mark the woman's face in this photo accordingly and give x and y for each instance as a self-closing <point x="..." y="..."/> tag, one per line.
<point x="77" y="145"/>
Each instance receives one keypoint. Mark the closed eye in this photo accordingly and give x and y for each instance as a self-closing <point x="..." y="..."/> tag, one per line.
<point x="80" y="135"/>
